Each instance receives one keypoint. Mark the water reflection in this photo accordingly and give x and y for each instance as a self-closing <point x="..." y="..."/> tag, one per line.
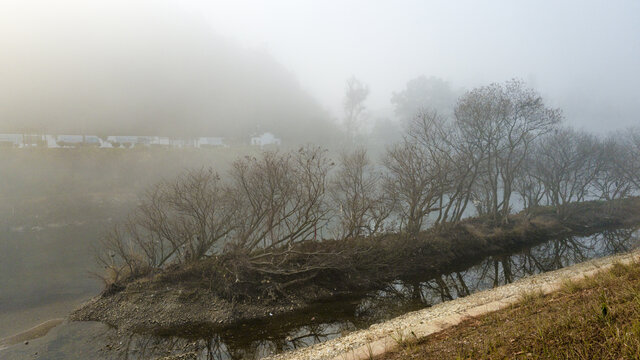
<point x="246" y="343"/>
<point x="327" y="321"/>
<point x="504" y="269"/>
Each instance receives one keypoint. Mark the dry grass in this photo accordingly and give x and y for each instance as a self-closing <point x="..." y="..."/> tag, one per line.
<point x="594" y="318"/>
<point x="404" y="339"/>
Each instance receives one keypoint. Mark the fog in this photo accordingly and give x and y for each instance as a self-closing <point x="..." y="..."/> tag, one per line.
<point x="232" y="68"/>
<point x="140" y="69"/>
<point x="581" y="55"/>
<point x="237" y="69"/>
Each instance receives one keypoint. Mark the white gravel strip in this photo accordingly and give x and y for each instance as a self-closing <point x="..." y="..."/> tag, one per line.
<point x="382" y="337"/>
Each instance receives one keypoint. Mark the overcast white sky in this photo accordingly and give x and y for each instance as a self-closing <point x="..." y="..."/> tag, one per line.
<point x="581" y="55"/>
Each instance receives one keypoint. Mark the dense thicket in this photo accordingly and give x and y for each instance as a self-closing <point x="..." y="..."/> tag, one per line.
<point x="264" y="218"/>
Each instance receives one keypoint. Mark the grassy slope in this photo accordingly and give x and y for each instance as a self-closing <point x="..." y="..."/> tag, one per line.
<point x="596" y="318"/>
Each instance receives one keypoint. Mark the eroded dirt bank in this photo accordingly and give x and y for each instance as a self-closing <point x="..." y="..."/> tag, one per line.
<point x="162" y="305"/>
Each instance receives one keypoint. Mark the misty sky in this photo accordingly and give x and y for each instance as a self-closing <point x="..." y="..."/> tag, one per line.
<point x="583" y="56"/>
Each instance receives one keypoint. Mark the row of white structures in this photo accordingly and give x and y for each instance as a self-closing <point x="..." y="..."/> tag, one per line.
<point x="61" y="141"/>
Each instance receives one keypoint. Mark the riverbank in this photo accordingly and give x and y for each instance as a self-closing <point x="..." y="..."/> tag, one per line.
<point x="162" y="305"/>
<point x="80" y="339"/>
<point x="25" y="319"/>
<point x="32" y="333"/>
<point x="420" y="332"/>
<point x="595" y="317"/>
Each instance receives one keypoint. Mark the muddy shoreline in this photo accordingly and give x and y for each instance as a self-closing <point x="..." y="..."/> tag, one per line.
<point x="185" y="309"/>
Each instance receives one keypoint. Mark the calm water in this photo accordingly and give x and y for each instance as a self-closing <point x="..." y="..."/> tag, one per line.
<point x="329" y="320"/>
<point x="46" y="257"/>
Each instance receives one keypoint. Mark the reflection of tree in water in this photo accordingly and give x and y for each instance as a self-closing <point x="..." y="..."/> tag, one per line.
<point x="445" y="287"/>
<point x="395" y="298"/>
<point x="498" y="270"/>
<point x="620" y="240"/>
<point x="229" y="345"/>
<point x="504" y="269"/>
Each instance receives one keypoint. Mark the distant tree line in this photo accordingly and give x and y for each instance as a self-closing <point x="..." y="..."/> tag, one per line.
<point x="501" y="143"/>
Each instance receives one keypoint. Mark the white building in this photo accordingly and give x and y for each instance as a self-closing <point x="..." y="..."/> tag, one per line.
<point x="75" y="140"/>
<point x="209" y="142"/>
<point x="11" y="140"/>
<point x="69" y="140"/>
<point x="34" y="140"/>
<point x="52" y="142"/>
<point x="123" y="141"/>
<point x="118" y="141"/>
<point x="161" y="141"/>
<point x="265" y="139"/>
<point x="183" y="142"/>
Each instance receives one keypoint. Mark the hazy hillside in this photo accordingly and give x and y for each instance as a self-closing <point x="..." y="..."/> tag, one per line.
<point x="144" y="71"/>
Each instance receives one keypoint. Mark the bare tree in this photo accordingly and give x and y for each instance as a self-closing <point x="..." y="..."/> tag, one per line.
<point x="629" y="160"/>
<point x="421" y="94"/>
<point x="453" y="163"/>
<point x="413" y="180"/>
<point x="279" y="197"/>
<point x="502" y="121"/>
<point x="355" y="96"/>
<point x="362" y="207"/>
<point x="527" y="185"/>
<point x="612" y="182"/>
<point x="567" y="162"/>
<point x="179" y="221"/>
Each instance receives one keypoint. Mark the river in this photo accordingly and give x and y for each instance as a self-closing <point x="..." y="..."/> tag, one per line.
<point x="327" y="320"/>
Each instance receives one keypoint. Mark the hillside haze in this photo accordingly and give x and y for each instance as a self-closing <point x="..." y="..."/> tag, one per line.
<point x="144" y="70"/>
